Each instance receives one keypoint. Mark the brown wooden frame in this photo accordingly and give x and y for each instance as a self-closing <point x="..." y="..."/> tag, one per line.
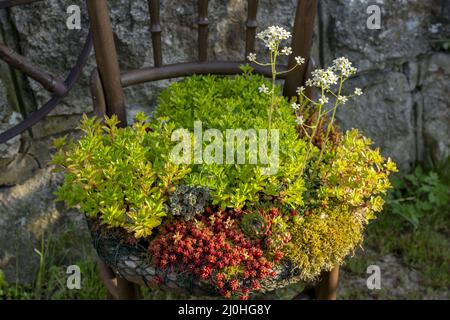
<point x="107" y="83"/>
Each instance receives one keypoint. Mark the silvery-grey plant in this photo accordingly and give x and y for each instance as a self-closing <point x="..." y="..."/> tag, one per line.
<point x="188" y="201"/>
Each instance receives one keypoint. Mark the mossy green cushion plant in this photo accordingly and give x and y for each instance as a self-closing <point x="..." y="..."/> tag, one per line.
<point x="222" y="103"/>
<point x="312" y="207"/>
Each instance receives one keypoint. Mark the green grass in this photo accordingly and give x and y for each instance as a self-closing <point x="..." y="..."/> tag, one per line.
<point x="425" y="249"/>
<point x="60" y="247"/>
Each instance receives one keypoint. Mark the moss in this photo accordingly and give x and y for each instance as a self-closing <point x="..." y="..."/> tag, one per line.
<point x="321" y="243"/>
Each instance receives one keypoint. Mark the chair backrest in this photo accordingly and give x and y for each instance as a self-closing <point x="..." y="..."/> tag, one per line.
<point x="107" y="81"/>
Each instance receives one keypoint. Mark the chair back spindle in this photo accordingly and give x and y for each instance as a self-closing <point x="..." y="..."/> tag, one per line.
<point x="302" y="37"/>
<point x="202" y="30"/>
<point x="251" y="25"/>
<point x="155" y="29"/>
<point x="106" y="56"/>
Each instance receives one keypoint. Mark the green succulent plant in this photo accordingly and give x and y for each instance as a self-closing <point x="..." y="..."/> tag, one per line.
<point x="254" y="225"/>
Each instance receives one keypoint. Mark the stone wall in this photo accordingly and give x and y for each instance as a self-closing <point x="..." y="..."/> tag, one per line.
<point x="403" y="72"/>
<point x="405" y="108"/>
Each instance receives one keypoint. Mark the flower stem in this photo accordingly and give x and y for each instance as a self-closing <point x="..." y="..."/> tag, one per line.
<point x="341" y="82"/>
<point x="273" y="63"/>
<point x="333" y="115"/>
<point x="319" y="116"/>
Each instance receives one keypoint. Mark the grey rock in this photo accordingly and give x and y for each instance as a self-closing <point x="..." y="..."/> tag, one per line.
<point x="172" y="276"/>
<point x="396" y="111"/>
<point x="402" y="35"/>
<point x="18" y="169"/>
<point x="14" y="164"/>
<point x="130" y="264"/>
<point x="435" y="89"/>
<point x="384" y="113"/>
<point x="150" y="271"/>
<point x="401" y="282"/>
<point x="48" y="43"/>
<point x="3" y="102"/>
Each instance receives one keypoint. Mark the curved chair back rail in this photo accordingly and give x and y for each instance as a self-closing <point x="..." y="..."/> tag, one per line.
<point x="57" y="88"/>
<point x="108" y="81"/>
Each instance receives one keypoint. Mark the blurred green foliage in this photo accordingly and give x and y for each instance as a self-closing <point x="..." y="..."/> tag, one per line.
<point x="417" y="195"/>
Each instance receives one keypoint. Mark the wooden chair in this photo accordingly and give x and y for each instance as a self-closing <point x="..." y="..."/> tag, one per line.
<point x="107" y="83"/>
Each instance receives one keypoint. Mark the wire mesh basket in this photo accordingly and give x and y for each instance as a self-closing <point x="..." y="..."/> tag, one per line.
<point x="133" y="262"/>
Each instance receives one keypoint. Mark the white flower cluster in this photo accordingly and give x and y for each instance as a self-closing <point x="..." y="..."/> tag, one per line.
<point x="325" y="78"/>
<point x="263" y="89"/>
<point x="322" y="78"/>
<point x="251" y="57"/>
<point x="300" y="90"/>
<point x="286" y="51"/>
<point x="342" y="99"/>
<point x="344" y="67"/>
<point x="323" y="100"/>
<point x="272" y="37"/>
<point x="299" y="60"/>
<point x="299" y="120"/>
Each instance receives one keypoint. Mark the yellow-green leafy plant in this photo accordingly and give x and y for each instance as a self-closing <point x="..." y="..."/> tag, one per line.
<point x="346" y="192"/>
<point x="112" y="173"/>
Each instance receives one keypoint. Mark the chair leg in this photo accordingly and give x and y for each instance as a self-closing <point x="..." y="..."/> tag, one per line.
<point x="327" y="286"/>
<point x="108" y="279"/>
<point x="126" y="290"/>
<point x="118" y="288"/>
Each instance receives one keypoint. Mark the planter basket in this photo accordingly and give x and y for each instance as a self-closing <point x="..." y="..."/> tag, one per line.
<point x="133" y="263"/>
